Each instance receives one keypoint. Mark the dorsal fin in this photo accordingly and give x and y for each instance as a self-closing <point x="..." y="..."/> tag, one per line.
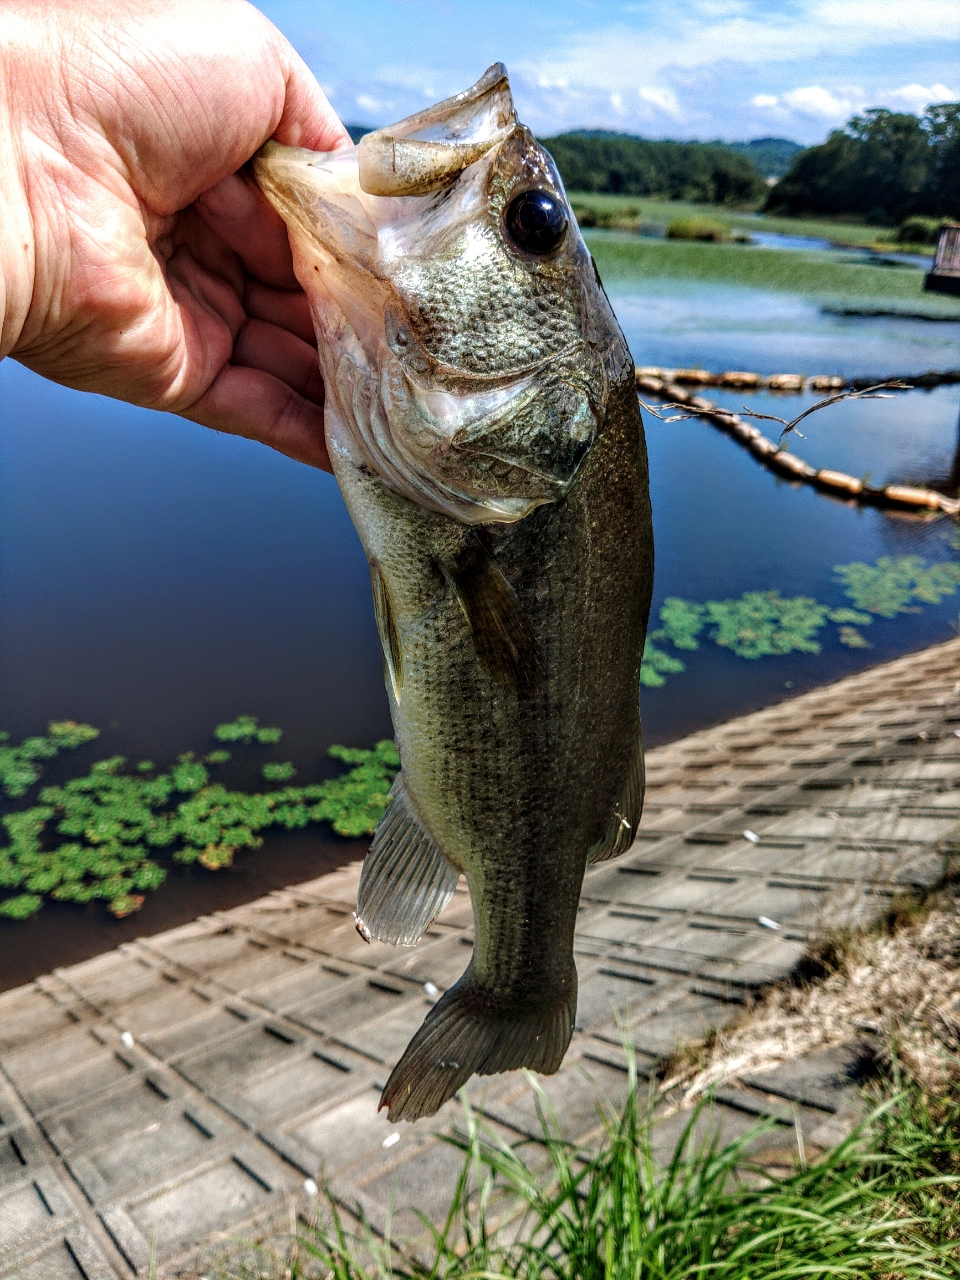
<point x="406" y="881"/>
<point x="506" y="643"/>
<point x="622" y="828"/>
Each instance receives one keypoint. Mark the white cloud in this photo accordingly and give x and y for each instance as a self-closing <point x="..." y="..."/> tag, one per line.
<point x="820" y="104"/>
<point x="874" y="21"/>
<point x="366" y="103"/>
<point x="917" y="97"/>
<point x="755" y="34"/>
<point x="764" y="100"/>
<point x="664" y="100"/>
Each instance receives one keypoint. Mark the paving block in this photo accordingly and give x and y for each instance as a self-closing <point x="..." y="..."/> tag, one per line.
<point x="576" y="1095"/>
<point x="173" y="1002"/>
<point x="311" y="980"/>
<point x="612" y="990"/>
<point x="144" y="1157"/>
<point x="302" y="1085"/>
<point x="206" y="946"/>
<point x="439" y="959"/>
<point x="73" y="1255"/>
<point x="139" y="1103"/>
<point x="73" y="1045"/>
<point x="660" y="1032"/>
<point x="29" y="1016"/>
<point x="114" y="979"/>
<point x="181" y="1214"/>
<point x="94" y="1076"/>
<point x="386" y="1038"/>
<point x="213" y="1023"/>
<point x="34" y="1207"/>
<point x="826" y="1080"/>
<point x="356" y="1003"/>
<point x="334" y="1140"/>
<point x="691" y="892"/>
<point x="251" y="1053"/>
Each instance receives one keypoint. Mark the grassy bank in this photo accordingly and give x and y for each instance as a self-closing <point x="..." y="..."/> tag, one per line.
<point x="819" y="274"/>
<point x="660" y="213"/>
<point x="882" y="1204"/>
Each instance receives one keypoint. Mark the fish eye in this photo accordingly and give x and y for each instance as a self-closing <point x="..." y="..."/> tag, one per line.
<point x="536" y="221"/>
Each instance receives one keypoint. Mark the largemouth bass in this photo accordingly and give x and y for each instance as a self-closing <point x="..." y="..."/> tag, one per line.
<point x="482" y="420"/>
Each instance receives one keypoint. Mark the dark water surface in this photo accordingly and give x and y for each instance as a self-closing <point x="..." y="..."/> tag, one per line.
<point x="156" y="579"/>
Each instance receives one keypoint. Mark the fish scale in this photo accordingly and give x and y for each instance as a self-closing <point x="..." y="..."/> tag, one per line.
<point x="501" y="494"/>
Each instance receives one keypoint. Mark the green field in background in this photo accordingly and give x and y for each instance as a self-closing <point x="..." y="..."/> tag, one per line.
<point x="621" y="255"/>
<point x="661" y="213"/>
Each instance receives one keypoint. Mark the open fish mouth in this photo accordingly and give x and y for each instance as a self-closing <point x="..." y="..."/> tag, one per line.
<point x="460" y="364"/>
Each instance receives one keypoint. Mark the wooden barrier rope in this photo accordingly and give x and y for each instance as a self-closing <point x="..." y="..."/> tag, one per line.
<point x="667" y="385"/>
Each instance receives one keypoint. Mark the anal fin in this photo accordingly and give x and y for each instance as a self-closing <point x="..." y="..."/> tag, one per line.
<point x="503" y="636"/>
<point x="622" y="828"/>
<point x="406" y="881"/>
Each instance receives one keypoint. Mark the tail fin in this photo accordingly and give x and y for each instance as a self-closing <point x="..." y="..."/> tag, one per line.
<point x="468" y="1032"/>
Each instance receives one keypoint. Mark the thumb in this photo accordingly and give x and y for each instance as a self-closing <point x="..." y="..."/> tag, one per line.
<point x="308" y="120"/>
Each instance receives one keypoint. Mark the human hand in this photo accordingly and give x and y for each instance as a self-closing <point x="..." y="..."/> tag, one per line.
<point x="135" y="260"/>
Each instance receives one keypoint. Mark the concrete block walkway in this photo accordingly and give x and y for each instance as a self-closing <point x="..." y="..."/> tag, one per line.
<point x="187" y="1084"/>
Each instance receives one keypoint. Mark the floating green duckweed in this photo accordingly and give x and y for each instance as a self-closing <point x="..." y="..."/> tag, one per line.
<point x="19" y="769"/>
<point x="118" y="824"/>
<point x="657" y="665"/>
<point x="891" y="586"/>
<point x="246" y="729"/>
<point x="278" y="772"/>
<point x="764" y="623"/>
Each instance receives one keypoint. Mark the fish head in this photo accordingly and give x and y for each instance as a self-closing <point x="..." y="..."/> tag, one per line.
<point x="467" y="346"/>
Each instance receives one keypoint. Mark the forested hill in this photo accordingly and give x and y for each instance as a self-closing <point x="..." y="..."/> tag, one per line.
<point x="883" y="166"/>
<point x="710" y="172"/>
<point x="772" y="156"/>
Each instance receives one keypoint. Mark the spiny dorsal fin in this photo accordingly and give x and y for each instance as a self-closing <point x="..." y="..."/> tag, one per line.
<point x="406" y="881"/>
<point x="389" y="636"/>
<point x="506" y="643"/>
<point x="622" y="828"/>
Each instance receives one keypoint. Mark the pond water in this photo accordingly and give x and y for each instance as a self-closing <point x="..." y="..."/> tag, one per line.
<point x="157" y="578"/>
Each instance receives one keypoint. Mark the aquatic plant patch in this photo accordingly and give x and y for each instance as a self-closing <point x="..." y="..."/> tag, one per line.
<point x="763" y="623"/>
<point x="891" y="586"/>
<point x="813" y="273"/>
<point x="20" y="766"/>
<point x="119" y="822"/>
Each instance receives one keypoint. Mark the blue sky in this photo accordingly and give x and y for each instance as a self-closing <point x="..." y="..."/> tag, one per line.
<point x="731" y="69"/>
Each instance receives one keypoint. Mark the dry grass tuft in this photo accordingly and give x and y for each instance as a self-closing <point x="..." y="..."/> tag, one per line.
<point x="899" y="984"/>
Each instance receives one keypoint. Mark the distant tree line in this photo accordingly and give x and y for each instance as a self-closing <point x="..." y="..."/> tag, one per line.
<point x="883" y="166"/>
<point x="706" y="172"/>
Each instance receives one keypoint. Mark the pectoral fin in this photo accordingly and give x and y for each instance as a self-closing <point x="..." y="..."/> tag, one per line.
<point x="389" y="636"/>
<point x="622" y="828"/>
<point x="406" y="881"/>
<point x="505" y="641"/>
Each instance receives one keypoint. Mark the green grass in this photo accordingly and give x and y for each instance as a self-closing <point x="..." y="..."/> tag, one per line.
<point x="882" y="1204"/>
<point x="817" y="273"/>
<point x="662" y="212"/>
